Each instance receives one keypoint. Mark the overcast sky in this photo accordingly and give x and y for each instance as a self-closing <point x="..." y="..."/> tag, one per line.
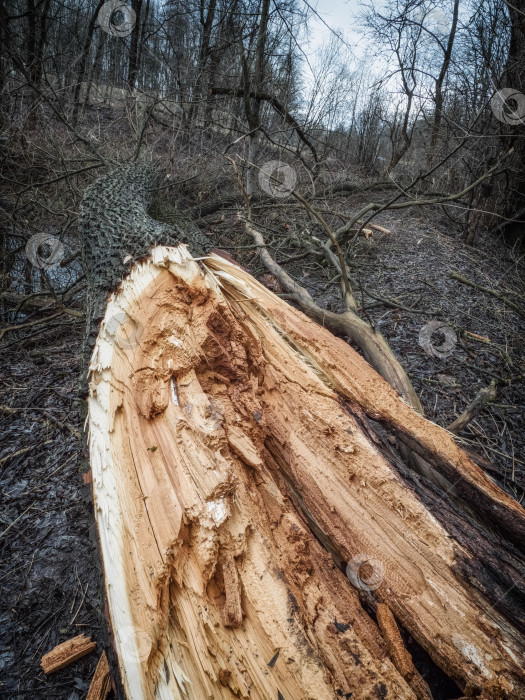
<point x="339" y="15"/>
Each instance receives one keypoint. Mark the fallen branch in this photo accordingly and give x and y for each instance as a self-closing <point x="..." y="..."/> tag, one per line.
<point x="3" y="460"/>
<point x="22" y="326"/>
<point x="486" y="290"/>
<point x="49" y="416"/>
<point x="381" y="229"/>
<point x="474" y="409"/>
<point x="375" y="208"/>
<point x="33" y="302"/>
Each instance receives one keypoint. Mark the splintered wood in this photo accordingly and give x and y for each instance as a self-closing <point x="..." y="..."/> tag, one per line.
<point x="252" y="524"/>
<point x="66" y="653"/>
<point x="101" y="682"/>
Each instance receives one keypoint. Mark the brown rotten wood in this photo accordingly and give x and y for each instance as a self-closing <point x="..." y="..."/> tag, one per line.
<point x="260" y="538"/>
<point x="398" y="652"/>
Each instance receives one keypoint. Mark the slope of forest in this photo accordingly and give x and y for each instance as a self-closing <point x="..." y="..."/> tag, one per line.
<point x="391" y="189"/>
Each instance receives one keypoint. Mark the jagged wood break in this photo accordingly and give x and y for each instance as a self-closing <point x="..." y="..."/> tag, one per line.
<point x="239" y="468"/>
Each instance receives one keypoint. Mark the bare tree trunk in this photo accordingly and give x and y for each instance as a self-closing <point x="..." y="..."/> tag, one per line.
<point x="438" y="107"/>
<point x="133" y="63"/>
<point x="37" y="16"/>
<point x="94" y="73"/>
<point x="142" y="40"/>
<point x="253" y="105"/>
<point x="83" y="63"/>
<point x="206" y="20"/>
<point x="513" y="124"/>
<point x="400" y="148"/>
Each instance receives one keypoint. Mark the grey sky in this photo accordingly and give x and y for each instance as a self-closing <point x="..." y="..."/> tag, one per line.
<point x="339" y="15"/>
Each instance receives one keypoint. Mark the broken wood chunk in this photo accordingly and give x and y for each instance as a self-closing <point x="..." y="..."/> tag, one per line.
<point x="396" y="648"/>
<point x="381" y="229"/>
<point x="67" y="652"/>
<point x="399" y="653"/>
<point x="271" y="463"/>
<point x="101" y="682"/>
<point x="243" y="446"/>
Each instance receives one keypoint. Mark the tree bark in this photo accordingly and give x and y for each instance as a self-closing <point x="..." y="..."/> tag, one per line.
<point x="134" y="51"/>
<point x="206" y="19"/>
<point x="116" y="230"/>
<point x="253" y="105"/>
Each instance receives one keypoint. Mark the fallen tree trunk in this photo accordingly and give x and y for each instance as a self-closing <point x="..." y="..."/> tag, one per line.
<point x="261" y="536"/>
<point x="116" y="229"/>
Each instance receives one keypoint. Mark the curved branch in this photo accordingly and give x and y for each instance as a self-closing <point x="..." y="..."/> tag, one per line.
<point x="277" y="105"/>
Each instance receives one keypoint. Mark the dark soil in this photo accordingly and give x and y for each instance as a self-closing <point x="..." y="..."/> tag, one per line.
<point x="413" y="267"/>
<point x="50" y="582"/>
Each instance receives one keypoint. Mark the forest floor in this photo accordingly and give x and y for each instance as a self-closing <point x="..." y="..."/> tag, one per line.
<point x="51" y="586"/>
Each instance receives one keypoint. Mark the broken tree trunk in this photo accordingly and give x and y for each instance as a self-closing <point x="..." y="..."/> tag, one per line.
<point x="261" y="537"/>
<point x="116" y="229"/>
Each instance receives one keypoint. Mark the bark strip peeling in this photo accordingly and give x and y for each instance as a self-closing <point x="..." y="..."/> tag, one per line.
<point x="222" y="437"/>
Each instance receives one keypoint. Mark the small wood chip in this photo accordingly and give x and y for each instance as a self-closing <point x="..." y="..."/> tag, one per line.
<point x="101" y="681"/>
<point x="67" y="652"/>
